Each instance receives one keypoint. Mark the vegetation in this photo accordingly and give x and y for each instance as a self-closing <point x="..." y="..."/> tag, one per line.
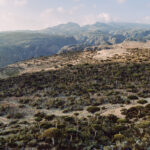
<point x="65" y="108"/>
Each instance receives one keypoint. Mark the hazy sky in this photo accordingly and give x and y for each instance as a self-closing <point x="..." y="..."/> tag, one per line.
<point x="38" y="14"/>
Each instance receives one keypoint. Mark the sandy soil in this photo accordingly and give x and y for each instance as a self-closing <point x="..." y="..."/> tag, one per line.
<point x="106" y="54"/>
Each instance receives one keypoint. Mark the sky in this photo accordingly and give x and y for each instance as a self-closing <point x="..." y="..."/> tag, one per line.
<point x="40" y="14"/>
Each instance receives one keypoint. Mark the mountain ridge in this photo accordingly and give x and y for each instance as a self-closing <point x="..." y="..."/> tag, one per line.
<point x="23" y="45"/>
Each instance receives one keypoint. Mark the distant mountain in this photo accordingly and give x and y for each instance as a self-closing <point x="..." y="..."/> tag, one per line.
<point x="102" y="33"/>
<point x="18" y="46"/>
<point x="23" y="45"/>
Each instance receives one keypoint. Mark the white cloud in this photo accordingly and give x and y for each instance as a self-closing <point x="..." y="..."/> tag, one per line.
<point x="121" y="1"/>
<point x="76" y="9"/>
<point x="51" y="17"/>
<point x="2" y="2"/>
<point x="60" y="9"/>
<point x="88" y="19"/>
<point x="47" y="12"/>
<point x="145" y="20"/>
<point x="91" y="19"/>
<point x="76" y="0"/>
<point x="104" y="17"/>
<point x="12" y="21"/>
<point x="20" y="2"/>
<point x="11" y="3"/>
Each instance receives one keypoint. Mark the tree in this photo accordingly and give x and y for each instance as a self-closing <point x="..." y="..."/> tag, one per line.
<point x="71" y="132"/>
<point x="119" y="137"/>
<point x="52" y="133"/>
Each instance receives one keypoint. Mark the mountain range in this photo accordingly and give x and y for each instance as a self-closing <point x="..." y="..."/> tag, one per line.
<point x="23" y="45"/>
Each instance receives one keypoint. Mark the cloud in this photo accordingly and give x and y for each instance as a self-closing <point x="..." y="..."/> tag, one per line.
<point x="47" y="12"/>
<point x="104" y="17"/>
<point x="76" y="0"/>
<point x="121" y="1"/>
<point x="60" y="9"/>
<point x="20" y="2"/>
<point x="51" y="17"/>
<point x="146" y="20"/>
<point x="13" y="21"/>
<point x="2" y="2"/>
<point x="75" y="9"/>
<point x="92" y="18"/>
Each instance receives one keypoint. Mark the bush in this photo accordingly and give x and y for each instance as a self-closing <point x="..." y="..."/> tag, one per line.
<point x="49" y="117"/>
<point x="118" y="137"/>
<point x="144" y="124"/>
<point x="93" y="109"/>
<point x="15" y="116"/>
<point x="142" y="101"/>
<point x="122" y="120"/>
<point x="132" y="97"/>
<point x="51" y="133"/>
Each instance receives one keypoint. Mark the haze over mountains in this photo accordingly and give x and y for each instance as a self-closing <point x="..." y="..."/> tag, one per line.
<point x="22" y="45"/>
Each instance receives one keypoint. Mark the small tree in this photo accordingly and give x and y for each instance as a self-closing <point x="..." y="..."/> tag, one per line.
<point x="119" y="137"/>
<point x="52" y="133"/>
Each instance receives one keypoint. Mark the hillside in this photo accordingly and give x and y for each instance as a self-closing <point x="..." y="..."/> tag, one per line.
<point x="18" y="46"/>
<point x="90" y="54"/>
<point x="81" y="100"/>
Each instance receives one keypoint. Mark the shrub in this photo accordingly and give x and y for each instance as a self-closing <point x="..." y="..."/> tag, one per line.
<point x="132" y="97"/>
<point x="45" y="125"/>
<point x="144" y="124"/>
<point x="93" y="109"/>
<point x="15" y="115"/>
<point x="142" y="101"/>
<point x="69" y="119"/>
<point x="118" y="137"/>
<point x="49" y="117"/>
<point x="122" y="120"/>
<point x="51" y="133"/>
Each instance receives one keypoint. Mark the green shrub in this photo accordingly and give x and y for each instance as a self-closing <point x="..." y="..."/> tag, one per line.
<point x="15" y="115"/>
<point x="122" y="120"/>
<point x="132" y="97"/>
<point x="144" y="124"/>
<point x="118" y="137"/>
<point x="142" y="101"/>
<point x="93" y="109"/>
